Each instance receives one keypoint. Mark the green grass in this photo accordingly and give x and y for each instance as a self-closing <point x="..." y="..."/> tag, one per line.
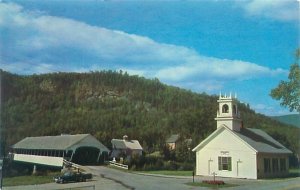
<point x="295" y="171"/>
<point x="170" y="172"/>
<point x="28" y="180"/>
<point x="200" y="184"/>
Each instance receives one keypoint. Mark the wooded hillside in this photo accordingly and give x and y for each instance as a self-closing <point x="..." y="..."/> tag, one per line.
<point x="110" y="104"/>
<point x="293" y="119"/>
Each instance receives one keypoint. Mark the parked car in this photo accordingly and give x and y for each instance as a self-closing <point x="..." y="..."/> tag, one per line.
<point x="72" y="177"/>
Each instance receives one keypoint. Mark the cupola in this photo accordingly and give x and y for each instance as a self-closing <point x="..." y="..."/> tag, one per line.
<point x="228" y="114"/>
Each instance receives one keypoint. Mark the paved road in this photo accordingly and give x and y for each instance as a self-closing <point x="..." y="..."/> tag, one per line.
<point x="142" y="182"/>
<point x="111" y="179"/>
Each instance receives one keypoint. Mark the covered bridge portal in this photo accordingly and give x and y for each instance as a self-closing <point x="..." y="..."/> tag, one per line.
<point x="53" y="150"/>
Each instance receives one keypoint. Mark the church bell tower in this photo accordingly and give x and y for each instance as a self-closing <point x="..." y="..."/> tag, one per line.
<point x="228" y="114"/>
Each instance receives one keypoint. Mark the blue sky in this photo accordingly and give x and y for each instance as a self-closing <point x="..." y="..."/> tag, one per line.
<point x="205" y="46"/>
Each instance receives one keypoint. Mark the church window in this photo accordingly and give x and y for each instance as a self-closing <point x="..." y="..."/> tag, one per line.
<point x="282" y="164"/>
<point x="267" y="165"/>
<point x="225" y="108"/>
<point x="234" y="109"/>
<point x="224" y="163"/>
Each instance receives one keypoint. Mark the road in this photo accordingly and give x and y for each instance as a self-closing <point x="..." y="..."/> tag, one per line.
<point x="146" y="182"/>
<point x="107" y="178"/>
<point x="142" y="182"/>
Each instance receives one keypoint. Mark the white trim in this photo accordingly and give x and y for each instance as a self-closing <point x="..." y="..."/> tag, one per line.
<point x="219" y="130"/>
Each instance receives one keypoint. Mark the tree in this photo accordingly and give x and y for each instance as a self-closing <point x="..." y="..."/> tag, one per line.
<point x="288" y="92"/>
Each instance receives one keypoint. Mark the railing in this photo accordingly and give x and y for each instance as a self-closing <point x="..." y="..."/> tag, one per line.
<point x="71" y="164"/>
<point x="118" y="165"/>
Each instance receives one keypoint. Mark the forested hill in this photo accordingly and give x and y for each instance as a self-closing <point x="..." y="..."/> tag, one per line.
<point x="293" y="119"/>
<point x="110" y="104"/>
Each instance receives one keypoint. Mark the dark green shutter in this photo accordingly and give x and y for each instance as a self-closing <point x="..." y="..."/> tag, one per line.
<point x="229" y="163"/>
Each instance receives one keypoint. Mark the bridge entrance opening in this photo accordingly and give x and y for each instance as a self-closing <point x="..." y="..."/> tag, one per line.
<point x="86" y="155"/>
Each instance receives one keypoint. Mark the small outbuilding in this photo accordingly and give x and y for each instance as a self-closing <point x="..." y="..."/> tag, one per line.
<point x="175" y="139"/>
<point x="125" y="148"/>
<point x="172" y="140"/>
<point x="52" y="150"/>
<point x="238" y="152"/>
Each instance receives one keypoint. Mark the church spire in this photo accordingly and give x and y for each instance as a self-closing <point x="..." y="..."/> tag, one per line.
<point x="228" y="114"/>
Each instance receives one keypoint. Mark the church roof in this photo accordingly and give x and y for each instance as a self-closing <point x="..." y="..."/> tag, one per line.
<point x="261" y="141"/>
<point x="257" y="139"/>
<point x="126" y="144"/>
<point x="61" y="142"/>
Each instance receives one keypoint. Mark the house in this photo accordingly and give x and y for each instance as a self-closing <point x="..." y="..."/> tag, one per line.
<point x="53" y="150"/>
<point x="175" y="139"/>
<point x="238" y="152"/>
<point x="171" y="141"/>
<point x="125" y="148"/>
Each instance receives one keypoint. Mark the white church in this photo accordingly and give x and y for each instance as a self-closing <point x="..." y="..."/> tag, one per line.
<point x="238" y="152"/>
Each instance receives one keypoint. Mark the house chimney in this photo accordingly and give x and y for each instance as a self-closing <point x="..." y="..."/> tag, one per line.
<point x="125" y="137"/>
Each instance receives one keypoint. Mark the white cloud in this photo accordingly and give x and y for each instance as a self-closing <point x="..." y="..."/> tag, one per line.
<point x="271" y="110"/>
<point x="37" y="43"/>
<point x="207" y="67"/>
<point x="284" y="10"/>
<point x="28" y="68"/>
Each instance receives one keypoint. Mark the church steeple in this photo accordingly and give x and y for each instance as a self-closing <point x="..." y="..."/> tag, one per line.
<point x="228" y="113"/>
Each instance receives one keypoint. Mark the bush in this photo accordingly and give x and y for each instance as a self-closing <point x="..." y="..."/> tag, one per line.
<point x="147" y="163"/>
<point x="186" y="166"/>
<point x="170" y="165"/>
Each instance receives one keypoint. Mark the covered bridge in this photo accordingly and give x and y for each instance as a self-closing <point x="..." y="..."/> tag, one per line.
<point x="53" y="150"/>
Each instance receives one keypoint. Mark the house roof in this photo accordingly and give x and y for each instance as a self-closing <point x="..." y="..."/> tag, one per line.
<point x="257" y="139"/>
<point x="173" y="138"/>
<point x="62" y="142"/>
<point x="126" y="144"/>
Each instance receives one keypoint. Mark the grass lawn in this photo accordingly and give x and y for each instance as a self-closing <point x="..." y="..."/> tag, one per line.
<point x="294" y="172"/>
<point x="169" y="172"/>
<point x="200" y="184"/>
<point x="28" y="180"/>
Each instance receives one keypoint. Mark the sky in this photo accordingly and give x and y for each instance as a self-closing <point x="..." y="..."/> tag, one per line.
<point x="243" y="47"/>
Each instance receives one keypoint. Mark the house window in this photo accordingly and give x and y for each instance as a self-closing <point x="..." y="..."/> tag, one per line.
<point x="224" y="163"/>
<point x="267" y="165"/>
<point x="225" y="108"/>
<point x="275" y="165"/>
<point x="282" y="164"/>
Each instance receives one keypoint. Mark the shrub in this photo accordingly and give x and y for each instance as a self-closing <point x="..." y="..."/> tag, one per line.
<point x="170" y="165"/>
<point x="186" y="166"/>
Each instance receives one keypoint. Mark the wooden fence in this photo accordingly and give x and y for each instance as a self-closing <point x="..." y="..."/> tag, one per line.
<point x="118" y="165"/>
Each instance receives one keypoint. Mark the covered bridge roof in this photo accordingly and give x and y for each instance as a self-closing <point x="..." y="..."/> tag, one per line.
<point x="61" y="142"/>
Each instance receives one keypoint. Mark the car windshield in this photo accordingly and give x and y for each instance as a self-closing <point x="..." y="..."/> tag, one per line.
<point x="67" y="174"/>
